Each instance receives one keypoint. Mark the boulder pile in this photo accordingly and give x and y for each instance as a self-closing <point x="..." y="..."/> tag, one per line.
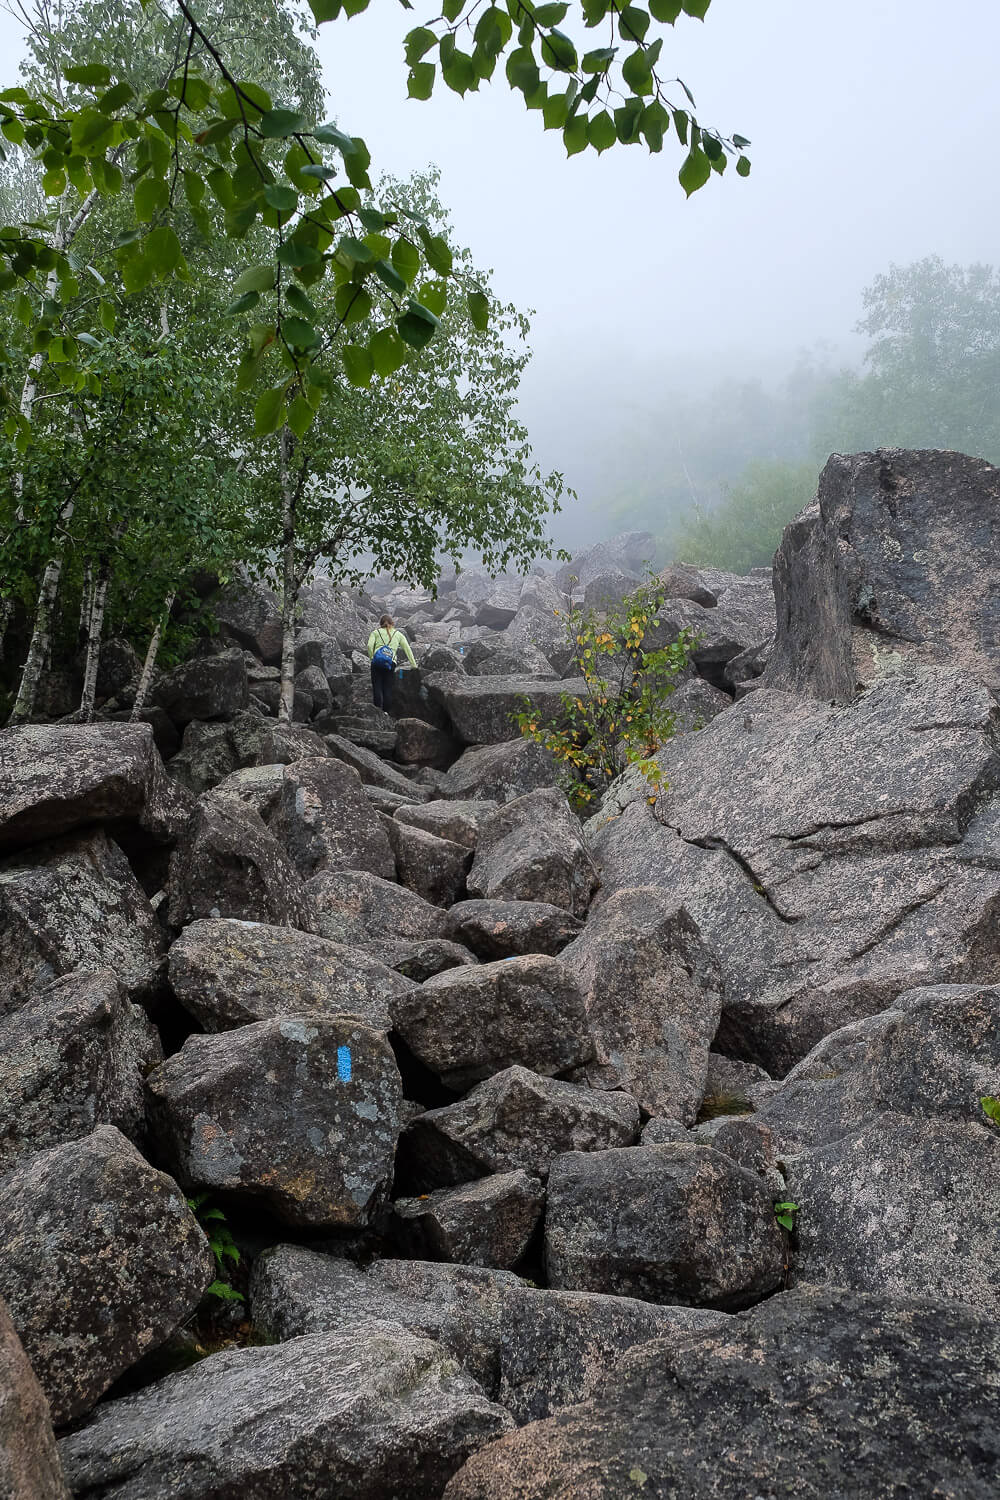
<point x="370" y="1127"/>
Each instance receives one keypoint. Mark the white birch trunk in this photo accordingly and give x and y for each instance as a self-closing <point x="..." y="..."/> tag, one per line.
<point x="86" y="607"/>
<point x="146" y="677"/>
<point x="289" y="583"/>
<point x="41" y="634"/>
<point x="94" y="632"/>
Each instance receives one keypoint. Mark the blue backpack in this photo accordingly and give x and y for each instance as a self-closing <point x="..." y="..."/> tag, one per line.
<point x="385" y="656"/>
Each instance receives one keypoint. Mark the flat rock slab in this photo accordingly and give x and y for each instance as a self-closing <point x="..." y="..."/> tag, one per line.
<point x="60" y="777"/>
<point x="326" y="822"/>
<point x="485" y="1223"/>
<point x="469" y="1023"/>
<point x="371" y="767"/>
<point x="481" y="709"/>
<point x="357" y="906"/>
<point x="72" y="1059"/>
<point x="229" y="864"/>
<point x="531" y="850"/>
<point x="368" y="1413"/>
<point x="74" y="903"/>
<point x="455" y="820"/>
<point x="101" y="1260"/>
<point x="676" y="1223"/>
<point x="813" y="1394"/>
<point x="508" y="929"/>
<point x="515" y="1120"/>
<point x="29" y="1462"/>
<point x="301" y="1112"/>
<point x="498" y="773"/>
<point x="229" y="973"/>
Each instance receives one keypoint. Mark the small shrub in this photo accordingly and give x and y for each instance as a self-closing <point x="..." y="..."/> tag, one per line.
<point x="221" y="1243"/>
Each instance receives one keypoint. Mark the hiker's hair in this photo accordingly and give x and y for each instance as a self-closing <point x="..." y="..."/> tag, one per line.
<point x="386" y="622"/>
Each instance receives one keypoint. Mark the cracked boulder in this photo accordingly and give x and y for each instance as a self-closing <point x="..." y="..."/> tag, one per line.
<point x="229" y="974"/>
<point x="812" y="1394"/>
<point x="302" y="1113"/>
<point x="373" y="770"/>
<point x="515" y="1120"/>
<point x="499" y="773"/>
<point x="206" y="687"/>
<point x="531" y="850"/>
<point x="355" y="906"/>
<point x="74" y="903"/>
<point x="508" y="929"/>
<point x="831" y="856"/>
<point x="485" y="1223"/>
<point x="471" y="1022"/>
<point x="229" y="864"/>
<point x="72" y="1059"/>
<point x="326" y="822"/>
<point x="455" y="820"/>
<point x="481" y="709"/>
<point x="101" y="1260"/>
<point x="29" y="1462"/>
<point x="367" y="1412"/>
<point x="674" y="1223"/>
<point x="433" y="867"/>
<point x="654" y="997"/>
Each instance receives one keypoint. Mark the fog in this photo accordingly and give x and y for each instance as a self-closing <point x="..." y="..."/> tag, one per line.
<point x="871" y="122"/>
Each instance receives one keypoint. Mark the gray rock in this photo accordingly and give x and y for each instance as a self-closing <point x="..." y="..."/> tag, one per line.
<point x="356" y="906"/>
<point x="420" y="743"/>
<point x="659" y="1132"/>
<point x="500" y="605"/>
<point x="258" y="786"/>
<point x="229" y="864"/>
<point x="515" y="659"/>
<point x="538" y="592"/>
<point x="313" y="648"/>
<point x="831" y="857"/>
<point x="206" y="687"/>
<point x="676" y="1223"/>
<point x="72" y="1059"/>
<point x="230" y="974"/>
<point x="531" y="850"/>
<point x="72" y="903"/>
<point x="628" y="552"/>
<point x="101" y="1260"/>
<point x="211" y="751"/>
<point x="545" y="630"/>
<point x="367" y="1413"/>
<point x="814" y="1394"/>
<point x="433" y="867"/>
<point x="746" y="1141"/>
<point x="379" y="735"/>
<point x="469" y="1023"/>
<point x="608" y="590"/>
<point x="454" y="820"/>
<point x="420" y="960"/>
<point x="498" y="773"/>
<point x="654" y="997"/>
<point x="682" y="581"/>
<point x="893" y="561"/>
<point x="732" y="1087"/>
<point x="339" y="614"/>
<point x="326" y="822"/>
<point x="301" y="1112"/>
<point x="55" y="778"/>
<point x="507" y="929"/>
<point x="486" y="1223"/>
<point x="370" y="767"/>
<point x="312" y="684"/>
<point x="695" y="704"/>
<point x="29" y="1462"/>
<point x="515" y="1120"/>
<point x="481" y="709"/>
<point x="284" y="744"/>
<point x="249" y="616"/>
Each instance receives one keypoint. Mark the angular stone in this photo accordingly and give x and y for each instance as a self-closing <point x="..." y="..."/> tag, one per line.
<point x="340" y="614"/>
<point x="372" y="769"/>
<point x="229" y="864"/>
<point x="629" y="552"/>
<point x="457" y="821"/>
<point x="55" y="778"/>
<point x="695" y="704"/>
<point x="481" y="709"/>
<point x="498" y="773"/>
<point x="315" y="649"/>
<point x="515" y="1120"/>
<point x="258" y="786"/>
<point x="486" y="1223"/>
<point x="206" y="687"/>
<point x="101" y="1260"/>
<point x="659" y="1132"/>
<point x="421" y="960"/>
<point x="733" y="1087"/>
<point x="654" y="998"/>
<point x="531" y="850"/>
<point x="303" y="1113"/>
<point x="72" y="1059"/>
<point x="420" y="743"/>
<point x="508" y="929"/>
<point x="500" y="605"/>
<point x="312" y="684"/>
<point x="230" y="974"/>
<point x="248" y="614"/>
<point x="515" y="659"/>
<point x="435" y="868"/>
<point x="29" y="1462"/>
<point x="682" y="581"/>
<point x="469" y="1023"/>
<point x="72" y="903"/>
<point x="284" y="744"/>
<point x="366" y="1413"/>
<point x="326" y="822"/>
<point x="356" y="906"/>
<point x="676" y="1223"/>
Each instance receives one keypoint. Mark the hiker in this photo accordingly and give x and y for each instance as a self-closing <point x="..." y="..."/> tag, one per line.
<point x="383" y="644"/>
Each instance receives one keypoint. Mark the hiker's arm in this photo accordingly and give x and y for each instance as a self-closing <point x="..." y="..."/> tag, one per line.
<point x="406" y="647"/>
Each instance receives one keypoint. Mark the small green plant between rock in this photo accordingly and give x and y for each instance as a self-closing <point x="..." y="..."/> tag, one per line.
<point x="623" y="717"/>
<point x="785" y="1214"/>
<point x="991" y="1108"/>
<point x="221" y="1243"/>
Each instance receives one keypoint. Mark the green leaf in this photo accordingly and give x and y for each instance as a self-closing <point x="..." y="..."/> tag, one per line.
<point x="417" y="325"/>
<point x="388" y="352"/>
<point x="299" y="333"/>
<point x="420" y="83"/>
<point x="666" y="11"/>
<point x="991" y="1108"/>
<point x="352" y="303"/>
<point x="275" y="123"/>
<point x="479" y="310"/>
<point x="418" y="41"/>
<point x="695" y="171"/>
<point x="522" y="70"/>
<point x="106" y="313"/>
<point x="242" y="304"/>
<point x="389" y="276"/>
<point x="355" y="250"/>
<point x="325" y="10"/>
<point x="575" y="135"/>
<point x="151" y="196"/>
<point x="599" y="60"/>
<point x="258" y="278"/>
<point x="94" y="74"/>
<point x="743" y="166"/>
<point x="224" y="1292"/>
<point x="115" y="97"/>
<point x="633" y="23"/>
<point x="296" y="297"/>
<point x="551" y="14"/>
<point x="54" y="182"/>
<point x="451" y="9"/>
<point x="284" y="199"/>
<point x="696" y="8"/>
<point x="601" y="131"/>
<point x="438" y="253"/>
<point x="555" y="111"/>
<point x="559" y="52"/>
<point x="267" y="412"/>
<point x="300" y="416"/>
<point x="654" y="124"/>
<point x="459" y="72"/>
<point x="163" y="249"/>
<point x="297" y="253"/>
<point x="637" y="72"/>
<point x="358" y="364"/>
<point x="434" y="295"/>
<point x="628" y="120"/>
<point x="406" y="258"/>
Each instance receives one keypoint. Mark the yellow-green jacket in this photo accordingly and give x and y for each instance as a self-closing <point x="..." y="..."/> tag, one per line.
<point x="391" y="638"/>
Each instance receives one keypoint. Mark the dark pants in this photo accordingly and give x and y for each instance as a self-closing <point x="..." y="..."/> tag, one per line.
<point x="382" y="687"/>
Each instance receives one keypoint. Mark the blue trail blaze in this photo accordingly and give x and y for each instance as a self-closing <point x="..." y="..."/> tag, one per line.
<point x="344" y="1064"/>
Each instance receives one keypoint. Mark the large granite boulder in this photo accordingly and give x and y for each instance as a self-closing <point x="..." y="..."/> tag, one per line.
<point x="74" y="903"/>
<point x="674" y="1223"/>
<point x="55" y="778"/>
<point x="471" y="1022"/>
<point x="373" y="770"/>
<point x="514" y="659"/>
<point x="355" y="906"/>
<point x="498" y="773"/>
<point x="71" y="1059"/>
<point x="531" y="849"/>
<point x="628" y="552"/>
<point x="813" y="1394"/>
<point x="481" y="709"/>
<point x="832" y="857"/>
<point x="29" y="1463"/>
<point x="894" y="563"/>
<point x="206" y="687"/>
<point x="433" y="867"/>
<point x="515" y="1120"/>
<point x="543" y="629"/>
<point x="340" y="614"/>
<point x="484" y="1223"/>
<point x="326" y="822"/>
<point x="654" y="998"/>
<point x="101" y="1259"/>
<point x="420" y="743"/>
<point x="249" y="615"/>
<point x="454" y="820"/>
<point x="229" y="864"/>
<point x="313" y="648"/>
<point x="508" y="929"/>
<point x="230" y="974"/>
<point x="365" y="1412"/>
<point x="302" y="1113"/>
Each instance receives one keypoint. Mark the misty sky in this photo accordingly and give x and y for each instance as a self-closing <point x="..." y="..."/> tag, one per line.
<point x="872" y="125"/>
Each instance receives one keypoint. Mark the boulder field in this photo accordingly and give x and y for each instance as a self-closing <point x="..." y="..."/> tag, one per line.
<point x="373" y="1129"/>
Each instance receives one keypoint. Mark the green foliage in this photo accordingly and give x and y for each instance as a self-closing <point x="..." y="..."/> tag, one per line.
<point x="785" y="1214"/>
<point x="623" y="717"/>
<point x="221" y="1243"/>
<point x="743" y="531"/>
<point x="991" y="1108"/>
